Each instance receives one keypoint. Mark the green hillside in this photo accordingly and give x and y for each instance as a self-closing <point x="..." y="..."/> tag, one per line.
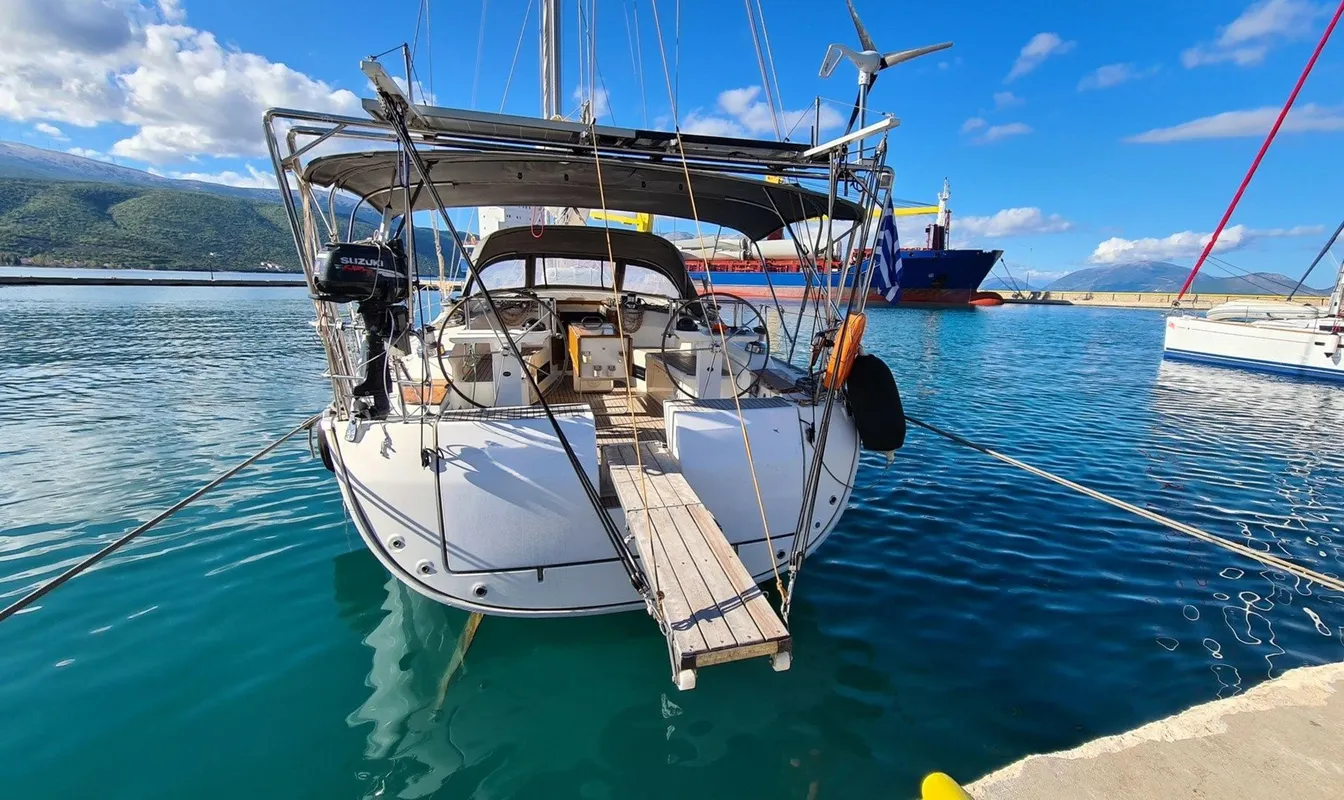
<point x="136" y="227"/>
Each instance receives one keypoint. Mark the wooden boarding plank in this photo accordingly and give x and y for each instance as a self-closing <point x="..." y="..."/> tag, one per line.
<point x="715" y="612"/>
<point x="723" y="598"/>
<point x="766" y="619"/>
<point x="677" y="481"/>
<point x="769" y="623"/>
<point x="703" y="613"/>
<point x="687" y="637"/>
<point x="625" y="478"/>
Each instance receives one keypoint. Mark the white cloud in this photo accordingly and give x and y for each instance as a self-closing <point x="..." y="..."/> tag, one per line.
<point x="47" y="129"/>
<point x="253" y="179"/>
<point x="84" y="152"/>
<point x="1247" y="39"/>
<point x="1113" y="75"/>
<point x="1036" y="51"/>
<point x="1200" y="55"/>
<point x="117" y="61"/>
<point x="1188" y="244"/>
<point x="996" y="132"/>
<point x="972" y="124"/>
<point x="600" y="100"/>
<point x="1006" y="100"/>
<point x="172" y="10"/>
<point x="423" y="97"/>
<point x="742" y="112"/>
<point x="1251" y="122"/>
<point x="1012" y="222"/>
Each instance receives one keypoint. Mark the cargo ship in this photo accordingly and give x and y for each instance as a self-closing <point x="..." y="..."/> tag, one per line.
<point x="932" y="274"/>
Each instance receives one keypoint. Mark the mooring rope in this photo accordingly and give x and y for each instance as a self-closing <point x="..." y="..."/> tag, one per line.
<point x="54" y="583"/>
<point x="1328" y="581"/>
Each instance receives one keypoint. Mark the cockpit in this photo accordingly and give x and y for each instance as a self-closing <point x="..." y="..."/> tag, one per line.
<point x="590" y="311"/>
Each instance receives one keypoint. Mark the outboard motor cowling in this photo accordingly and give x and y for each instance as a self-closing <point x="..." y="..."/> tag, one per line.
<point x="372" y="274"/>
<point x="350" y="272"/>
<point x="876" y="404"/>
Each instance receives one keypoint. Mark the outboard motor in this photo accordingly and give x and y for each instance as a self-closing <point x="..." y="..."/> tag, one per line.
<point x="372" y="274"/>
<point x="876" y="404"/>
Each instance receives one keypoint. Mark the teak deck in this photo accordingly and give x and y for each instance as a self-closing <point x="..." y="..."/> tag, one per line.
<point x="714" y="611"/>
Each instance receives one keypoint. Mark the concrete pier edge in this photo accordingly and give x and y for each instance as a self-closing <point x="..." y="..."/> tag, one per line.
<point x="1282" y="738"/>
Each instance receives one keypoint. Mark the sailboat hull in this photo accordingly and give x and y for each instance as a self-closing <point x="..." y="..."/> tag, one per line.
<point x="500" y="523"/>
<point x="1306" y="348"/>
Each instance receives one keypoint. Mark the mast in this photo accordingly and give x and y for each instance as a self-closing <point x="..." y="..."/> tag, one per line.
<point x="550" y="59"/>
<point x="1269" y="139"/>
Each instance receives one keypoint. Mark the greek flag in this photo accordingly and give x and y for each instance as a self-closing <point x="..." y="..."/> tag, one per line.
<point x="887" y="256"/>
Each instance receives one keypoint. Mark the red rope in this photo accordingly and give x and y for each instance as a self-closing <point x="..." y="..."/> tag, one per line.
<point x="1264" y="148"/>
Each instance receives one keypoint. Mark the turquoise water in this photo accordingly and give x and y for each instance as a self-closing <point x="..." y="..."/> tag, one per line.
<point x="962" y="616"/>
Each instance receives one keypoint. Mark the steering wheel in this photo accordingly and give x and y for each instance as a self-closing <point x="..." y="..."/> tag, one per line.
<point x="508" y="303"/>
<point x="723" y="317"/>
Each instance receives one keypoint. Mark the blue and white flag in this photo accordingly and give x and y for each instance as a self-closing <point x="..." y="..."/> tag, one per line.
<point x="887" y="256"/>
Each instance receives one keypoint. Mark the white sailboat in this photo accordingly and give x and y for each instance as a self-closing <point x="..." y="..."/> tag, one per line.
<point x="1284" y="337"/>
<point x="1270" y="337"/>
<point x="585" y="430"/>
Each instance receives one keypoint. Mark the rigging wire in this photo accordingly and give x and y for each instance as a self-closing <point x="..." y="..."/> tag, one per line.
<point x="1264" y="148"/>
<point x="765" y="77"/>
<point x="1011" y="280"/>
<point x="660" y="612"/>
<point x="415" y="39"/>
<point x="1326" y="249"/>
<point x="480" y="52"/>
<point x="112" y="547"/>
<point x="429" y="54"/>
<point x="637" y="58"/>
<point x="1267" y="559"/>
<point x="517" y="48"/>
<point x="770" y="58"/>
<point x="1265" y="283"/>
<point x="695" y="215"/>
<point x="396" y="116"/>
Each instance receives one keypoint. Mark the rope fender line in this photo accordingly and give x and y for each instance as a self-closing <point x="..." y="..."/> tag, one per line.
<point x="1269" y="560"/>
<point x="54" y="583"/>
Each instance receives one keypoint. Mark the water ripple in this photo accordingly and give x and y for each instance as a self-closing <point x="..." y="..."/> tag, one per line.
<point x="963" y="615"/>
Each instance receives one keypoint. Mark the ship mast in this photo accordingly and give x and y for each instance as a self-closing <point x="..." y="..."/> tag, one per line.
<point x="550" y="59"/>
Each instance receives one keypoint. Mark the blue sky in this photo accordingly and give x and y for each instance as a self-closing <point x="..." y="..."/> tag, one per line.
<point x="1073" y="134"/>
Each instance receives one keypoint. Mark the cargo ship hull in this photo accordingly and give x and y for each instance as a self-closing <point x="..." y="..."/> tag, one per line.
<point x="928" y="277"/>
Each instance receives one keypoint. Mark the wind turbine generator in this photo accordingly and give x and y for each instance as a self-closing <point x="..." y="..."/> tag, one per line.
<point x="870" y="61"/>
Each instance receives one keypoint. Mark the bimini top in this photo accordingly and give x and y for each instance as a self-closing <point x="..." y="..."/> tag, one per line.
<point x="755" y="208"/>
<point x="587" y="242"/>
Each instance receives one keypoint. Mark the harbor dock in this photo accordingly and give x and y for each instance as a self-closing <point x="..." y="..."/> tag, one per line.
<point x="1197" y="302"/>
<point x="116" y="280"/>
<point x="1283" y="738"/>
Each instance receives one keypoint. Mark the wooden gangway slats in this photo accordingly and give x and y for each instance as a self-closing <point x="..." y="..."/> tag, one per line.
<point x="713" y="609"/>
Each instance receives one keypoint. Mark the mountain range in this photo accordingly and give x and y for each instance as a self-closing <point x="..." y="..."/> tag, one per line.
<point x="1158" y="276"/>
<point x="62" y="209"/>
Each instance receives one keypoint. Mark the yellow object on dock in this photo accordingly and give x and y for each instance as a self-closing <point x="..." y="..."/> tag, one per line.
<point x="713" y="610"/>
<point x="939" y="786"/>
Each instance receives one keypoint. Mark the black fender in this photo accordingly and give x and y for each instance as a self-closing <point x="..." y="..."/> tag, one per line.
<point x="875" y="402"/>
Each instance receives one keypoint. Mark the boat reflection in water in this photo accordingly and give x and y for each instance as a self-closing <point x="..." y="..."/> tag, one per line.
<point x="575" y="707"/>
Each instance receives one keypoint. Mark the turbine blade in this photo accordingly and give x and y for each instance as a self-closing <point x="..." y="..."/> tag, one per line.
<point x="833" y="55"/>
<point x="854" y="115"/>
<point x="898" y="56"/>
<point x="865" y="40"/>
